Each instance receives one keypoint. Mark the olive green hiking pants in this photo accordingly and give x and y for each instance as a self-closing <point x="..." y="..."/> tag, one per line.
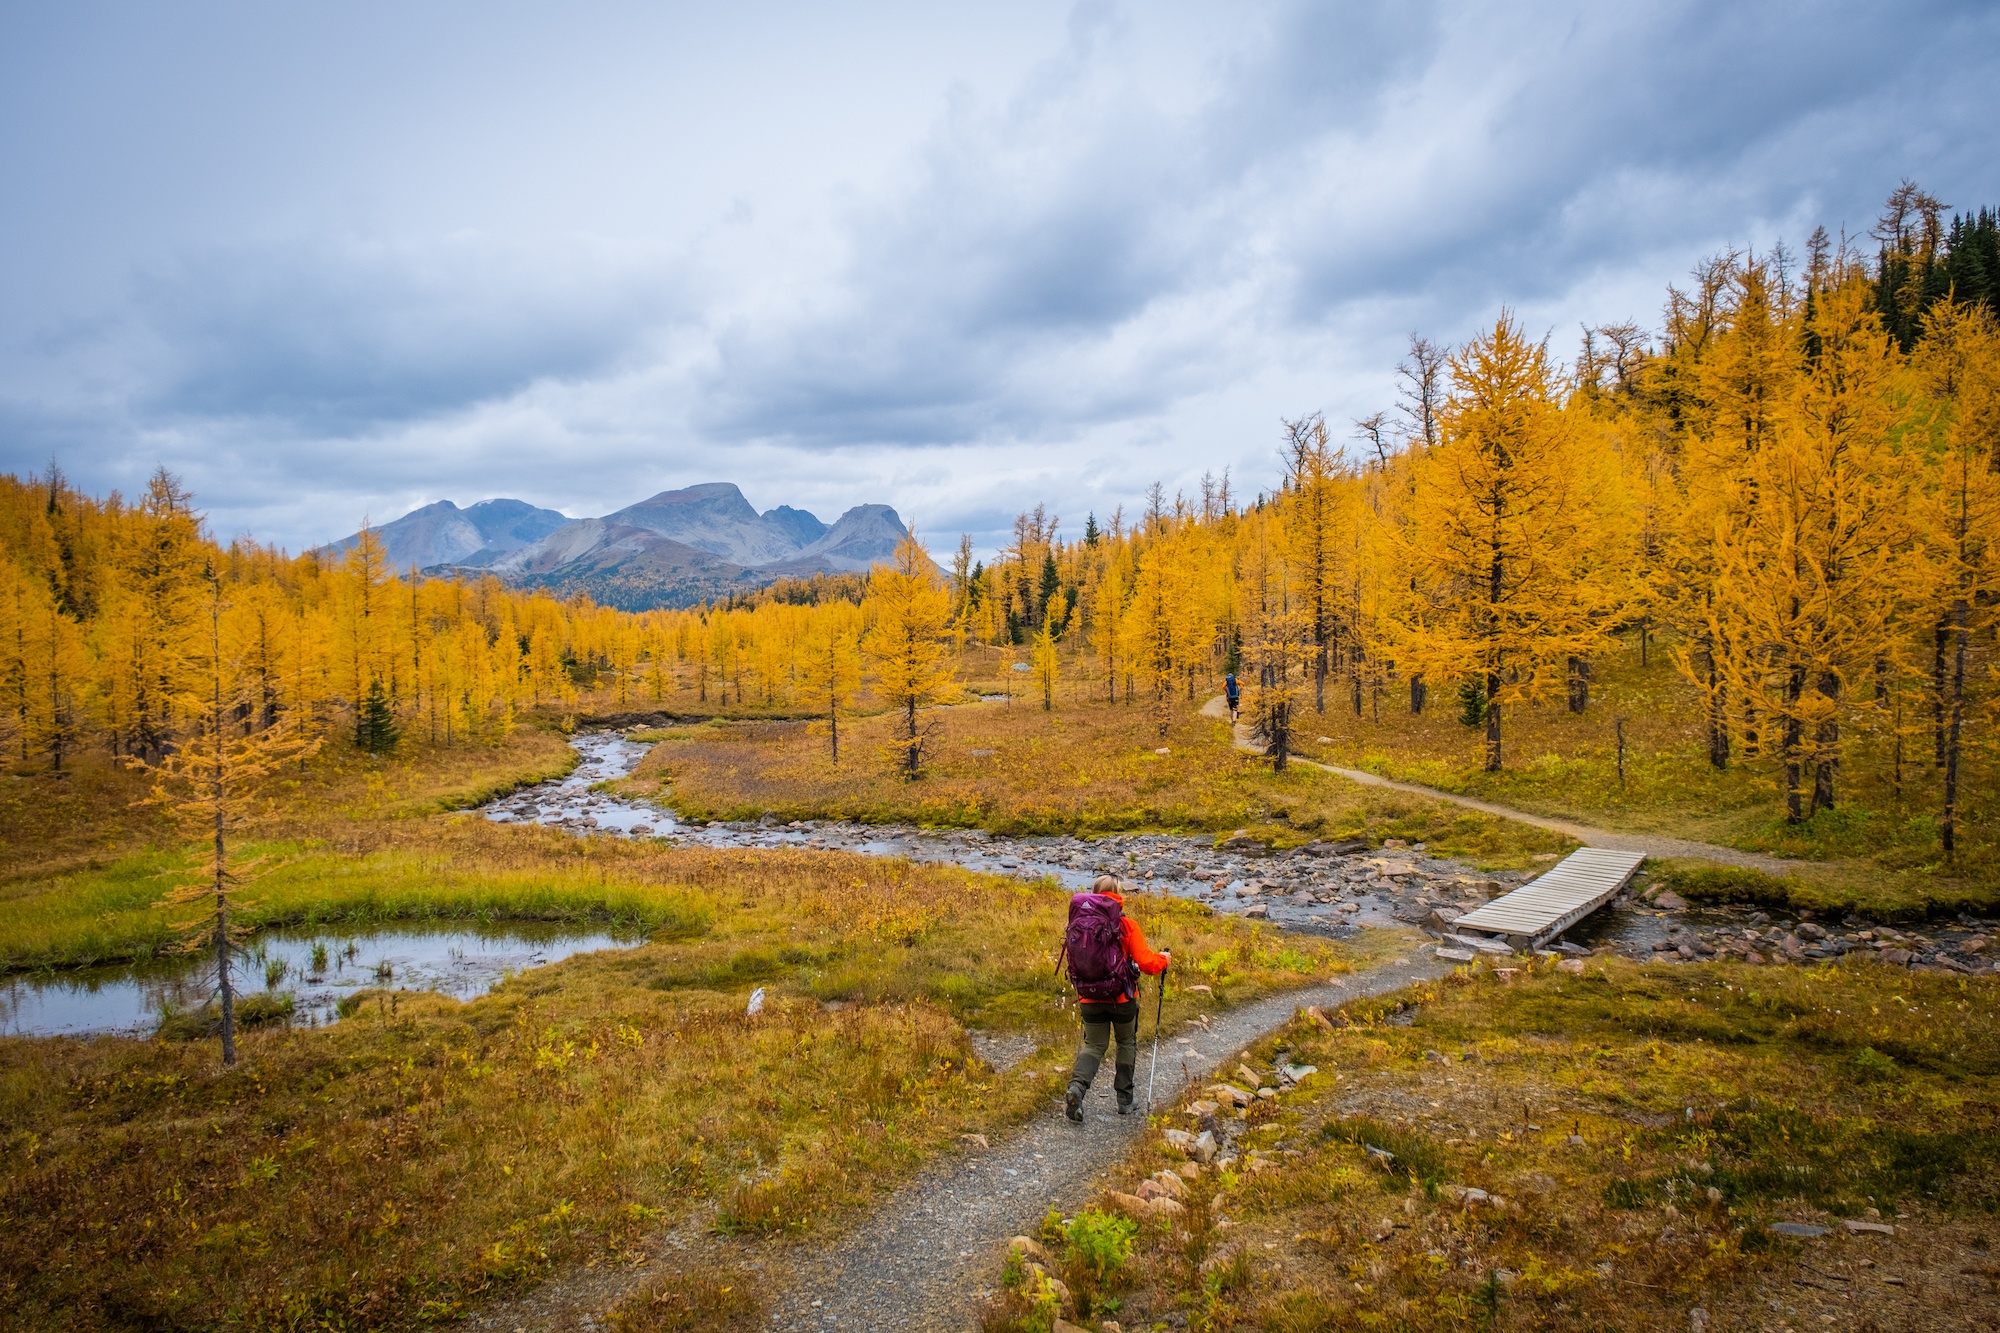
<point x="1097" y="1034"/>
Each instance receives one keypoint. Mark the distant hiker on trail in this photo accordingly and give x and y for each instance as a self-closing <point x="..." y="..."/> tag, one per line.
<point x="1106" y="954"/>
<point x="1232" y="692"/>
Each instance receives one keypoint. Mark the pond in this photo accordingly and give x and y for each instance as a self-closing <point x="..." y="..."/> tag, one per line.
<point x="316" y="968"/>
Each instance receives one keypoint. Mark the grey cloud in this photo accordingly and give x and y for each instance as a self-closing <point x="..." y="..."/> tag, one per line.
<point x="1124" y="267"/>
<point x="336" y="338"/>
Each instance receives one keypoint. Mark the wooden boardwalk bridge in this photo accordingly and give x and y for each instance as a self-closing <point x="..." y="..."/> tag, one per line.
<point x="1544" y="908"/>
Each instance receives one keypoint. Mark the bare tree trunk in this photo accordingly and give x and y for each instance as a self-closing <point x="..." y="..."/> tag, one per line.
<point x="1954" y="727"/>
<point x="1579" y="684"/>
<point x="1418" y="693"/>
<point x="1940" y="643"/>
<point x="1718" y="703"/>
<point x="1492" y="722"/>
<point x="1795" y="777"/>
<point x="228" y="994"/>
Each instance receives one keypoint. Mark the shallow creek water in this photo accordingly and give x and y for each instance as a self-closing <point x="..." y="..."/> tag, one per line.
<point x="317" y="968"/>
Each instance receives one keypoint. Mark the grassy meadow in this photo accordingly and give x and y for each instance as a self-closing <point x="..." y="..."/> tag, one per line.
<point x="1878" y="850"/>
<point x="1087" y="767"/>
<point x="424" y="1155"/>
<point x="1637" y="1133"/>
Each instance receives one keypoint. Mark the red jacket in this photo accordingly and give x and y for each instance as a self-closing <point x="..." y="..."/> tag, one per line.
<point x="1150" y="962"/>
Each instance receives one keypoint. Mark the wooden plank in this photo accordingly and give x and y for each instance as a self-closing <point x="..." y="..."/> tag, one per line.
<point x="1539" y="911"/>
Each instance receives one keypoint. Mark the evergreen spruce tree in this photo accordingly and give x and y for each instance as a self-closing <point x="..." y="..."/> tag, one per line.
<point x="375" y="722"/>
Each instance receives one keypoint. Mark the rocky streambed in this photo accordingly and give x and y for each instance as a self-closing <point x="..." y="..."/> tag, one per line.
<point x="1329" y="888"/>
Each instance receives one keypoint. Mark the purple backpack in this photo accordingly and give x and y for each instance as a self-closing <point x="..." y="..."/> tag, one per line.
<point x="1095" y="946"/>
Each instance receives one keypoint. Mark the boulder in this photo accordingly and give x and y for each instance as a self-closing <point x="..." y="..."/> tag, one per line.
<point x="1442" y="917"/>
<point x="1202" y="1110"/>
<point x="1896" y="957"/>
<point x="1204" y="1148"/>
<point x="1180" y="1141"/>
<point x="1261" y="911"/>
<point x="1669" y="901"/>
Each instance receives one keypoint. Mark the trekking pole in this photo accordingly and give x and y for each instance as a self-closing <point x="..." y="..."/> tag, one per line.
<point x="1153" y="1065"/>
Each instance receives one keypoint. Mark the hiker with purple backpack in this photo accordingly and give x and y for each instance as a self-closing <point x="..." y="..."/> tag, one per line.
<point x="1107" y="953"/>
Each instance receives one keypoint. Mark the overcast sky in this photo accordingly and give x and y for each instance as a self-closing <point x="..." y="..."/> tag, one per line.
<point x="335" y="260"/>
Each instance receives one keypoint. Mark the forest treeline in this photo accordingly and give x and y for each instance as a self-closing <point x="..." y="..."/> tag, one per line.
<point x="1790" y="488"/>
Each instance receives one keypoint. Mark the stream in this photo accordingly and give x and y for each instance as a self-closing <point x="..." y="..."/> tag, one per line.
<point x="1334" y="891"/>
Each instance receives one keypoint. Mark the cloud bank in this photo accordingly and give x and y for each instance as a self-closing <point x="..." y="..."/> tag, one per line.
<point x="334" y="265"/>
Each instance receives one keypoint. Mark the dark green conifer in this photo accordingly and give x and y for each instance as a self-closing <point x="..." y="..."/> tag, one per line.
<point x="375" y="727"/>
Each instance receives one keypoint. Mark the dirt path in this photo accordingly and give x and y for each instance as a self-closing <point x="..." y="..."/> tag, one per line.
<point x="916" y="1263"/>
<point x="1651" y="844"/>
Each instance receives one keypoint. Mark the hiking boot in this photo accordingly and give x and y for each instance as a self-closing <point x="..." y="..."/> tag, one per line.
<point x="1073" y="1102"/>
<point x="1123" y="1083"/>
<point x="1124" y="1102"/>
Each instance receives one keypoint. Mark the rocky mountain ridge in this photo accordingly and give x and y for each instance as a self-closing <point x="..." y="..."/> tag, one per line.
<point x="672" y="549"/>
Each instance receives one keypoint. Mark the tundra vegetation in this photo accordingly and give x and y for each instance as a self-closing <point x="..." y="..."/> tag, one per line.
<point x="1618" y="1147"/>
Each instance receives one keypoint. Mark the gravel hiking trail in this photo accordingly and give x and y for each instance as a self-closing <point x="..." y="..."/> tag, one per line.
<point x="915" y="1264"/>
<point x="1652" y="844"/>
<point x="918" y="1259"/>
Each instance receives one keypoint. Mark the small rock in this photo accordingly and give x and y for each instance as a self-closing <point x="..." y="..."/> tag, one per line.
<point x="1171" y="1183"/>
<point x="1797" y="1229"/>
<point x="1249" y="1075"/>
<point x="1230" y="1093"/>
<point x="975" y="1140"/>
<point x="1132" y="1205"/>
<point x="1028" y="1250"/>
<point x="1896" y="957"/>
<point x="1454" y="955"/>
<point x="1180" y="1140"/>
<point x="1260" y="911"/>
<point x="1571" y="965"/>
<point x="1669" y="901"/>
<point x="1204" y="1148"/>
<point x="1202" y="1110"/>
<point x="1871" y="1228"/>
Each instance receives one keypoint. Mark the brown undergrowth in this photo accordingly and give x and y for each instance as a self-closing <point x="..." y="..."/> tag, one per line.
<point x="1633" y="1137"/>
<point x="423" y="1156"/>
